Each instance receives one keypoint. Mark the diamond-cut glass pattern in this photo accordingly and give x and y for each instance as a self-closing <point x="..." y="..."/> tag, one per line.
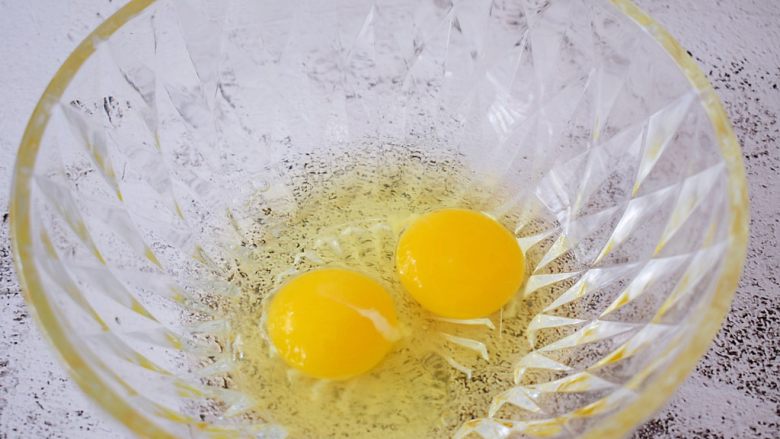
<point x="193" y="105"/>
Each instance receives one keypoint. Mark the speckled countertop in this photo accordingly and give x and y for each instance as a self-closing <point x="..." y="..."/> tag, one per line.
<point x="735" y="390"/>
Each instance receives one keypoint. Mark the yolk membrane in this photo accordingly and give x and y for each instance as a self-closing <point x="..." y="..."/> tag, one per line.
<point x="332" y="323"/>
<point x="459" y="263"/>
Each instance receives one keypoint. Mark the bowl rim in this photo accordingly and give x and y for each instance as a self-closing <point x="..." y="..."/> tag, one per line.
<point x="615" y="425"/>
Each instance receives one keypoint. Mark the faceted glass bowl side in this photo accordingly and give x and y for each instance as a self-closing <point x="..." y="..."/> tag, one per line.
<point x="171" y="114"/>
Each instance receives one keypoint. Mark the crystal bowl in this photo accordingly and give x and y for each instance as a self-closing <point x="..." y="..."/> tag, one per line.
<point x="139" y="158"/>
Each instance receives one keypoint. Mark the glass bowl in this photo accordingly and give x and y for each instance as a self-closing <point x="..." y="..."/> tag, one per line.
<point x="140" y="157"/>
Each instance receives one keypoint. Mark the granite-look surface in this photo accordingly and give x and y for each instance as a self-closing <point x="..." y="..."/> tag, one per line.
<point x="735" y="390"/>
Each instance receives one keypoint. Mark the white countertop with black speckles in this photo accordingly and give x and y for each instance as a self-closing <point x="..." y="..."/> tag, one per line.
<point x="735" y="390"/>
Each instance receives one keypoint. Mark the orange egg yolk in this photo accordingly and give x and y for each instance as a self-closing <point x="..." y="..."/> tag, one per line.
<point x="460" y="263"/>
<point x="332" y="323"/>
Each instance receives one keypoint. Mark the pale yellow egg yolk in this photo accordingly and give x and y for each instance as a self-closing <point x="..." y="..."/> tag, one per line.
<point x="460" y="263"/>
<point x="332" y="323"/>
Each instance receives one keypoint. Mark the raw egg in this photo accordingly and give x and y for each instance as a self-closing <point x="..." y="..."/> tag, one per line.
<point x="332" y="323"/>
<point x="459" y="263"/>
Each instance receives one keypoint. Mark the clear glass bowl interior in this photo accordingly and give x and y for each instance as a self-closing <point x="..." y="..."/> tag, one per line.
<point x="140" y="158"/>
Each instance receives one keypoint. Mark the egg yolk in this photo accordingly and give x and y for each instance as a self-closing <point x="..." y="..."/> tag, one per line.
<point x="460" y="263"/>
<point x="332" y="323"/>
